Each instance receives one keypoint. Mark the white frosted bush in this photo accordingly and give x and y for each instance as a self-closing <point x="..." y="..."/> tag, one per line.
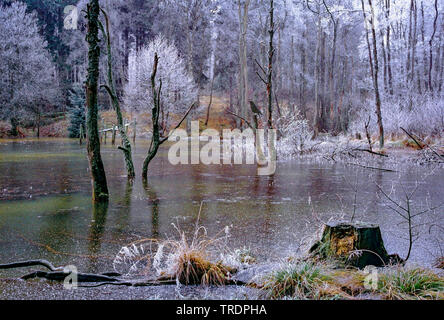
<point x="296" y="135"/>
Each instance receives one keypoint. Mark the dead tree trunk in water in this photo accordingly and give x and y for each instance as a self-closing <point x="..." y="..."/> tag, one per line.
<point x="157" y="140"/>
<point x="98" y="176"/>
<point x="110" y="88"/>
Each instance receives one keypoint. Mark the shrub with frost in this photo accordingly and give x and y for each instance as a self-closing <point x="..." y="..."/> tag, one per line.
<point x="295" y="135"/>
<point x="421" y="114"/>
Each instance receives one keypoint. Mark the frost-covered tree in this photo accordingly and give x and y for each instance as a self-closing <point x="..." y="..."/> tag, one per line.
<point x="178" y="87"/>
<point x="77" y="112"/>
<point x="28" y="84"/>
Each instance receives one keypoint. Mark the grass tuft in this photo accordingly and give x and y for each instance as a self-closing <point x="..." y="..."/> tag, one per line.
<point x="188" y="260"/>
<point x="301" y="280"/>
<point x="403" y="283"/>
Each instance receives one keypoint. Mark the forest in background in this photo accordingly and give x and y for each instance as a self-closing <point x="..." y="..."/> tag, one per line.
<point x="343" y="65"/>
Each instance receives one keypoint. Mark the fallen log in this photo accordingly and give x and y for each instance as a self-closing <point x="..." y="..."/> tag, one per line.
<point x="110" y="278"/>
<point x="61" y="276"/>
<point x="371" y="152"/>
<point x="30" y="263"/>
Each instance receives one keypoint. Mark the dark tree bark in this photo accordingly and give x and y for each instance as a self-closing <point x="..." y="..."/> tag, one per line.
<point x="243" y="68"/>
<point x="431" y="47"/>
<point x="389" y="54"/>
<point x="157" y="140"/>
<point x="374" y="67"/>
<point x="98" y="176"/>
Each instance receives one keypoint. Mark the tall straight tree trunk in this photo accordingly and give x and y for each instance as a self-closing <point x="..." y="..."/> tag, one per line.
<point x="302" y="76"/>
<point x="424" y="54"/>
<point x="243" y="71"/>
<point x="98" y="177"/>
<point x="409" y="44"/>
<point x="431" y="46"/>
<point x="414" y="41"/>
<point x="317" y="115"/>
<point x="270" y="68"/>
<point x="292" y="77"/>
<point x="212" y="66"/>
<point x="389" y="54"/>
<point x="375" y="69"/>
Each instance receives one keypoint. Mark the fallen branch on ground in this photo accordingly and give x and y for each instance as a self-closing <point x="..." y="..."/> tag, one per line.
<point x="242" y="118"/>
<point x="368" y="167"/>
<point x="411" y="135"/>
<point x="61" y="276"/>
<point x="30" y="263"/>
<point x="58" y="274"/>
<point x="371" y="152"/>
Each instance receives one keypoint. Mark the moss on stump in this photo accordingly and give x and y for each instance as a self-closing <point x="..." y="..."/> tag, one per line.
<point x="357" y="244"/>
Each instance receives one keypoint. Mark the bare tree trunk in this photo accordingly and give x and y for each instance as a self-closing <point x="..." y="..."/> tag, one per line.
<point x="212" y="67"/>
<point x="375" y="68"/>
<point x="317" y="116"/>
<point x="270" y="67"/>
<point x="414" y="41"/>
<point x="210" y="102"/>
<point x="243" y="72"/>
<point x="332" y="66"/>
<point x="302" y="77"/>
<point x="157" y="140"/>
<point x="389" y="54"/>
<point x="99" y="184"/>
<point x="431" y="46"/>
<point x="126" y="145"/>
<point x="424" y="54"/>
<point x="292" y="77"/>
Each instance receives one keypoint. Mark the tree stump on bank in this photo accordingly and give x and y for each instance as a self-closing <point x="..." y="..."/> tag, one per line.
<point x="358" y="244"/>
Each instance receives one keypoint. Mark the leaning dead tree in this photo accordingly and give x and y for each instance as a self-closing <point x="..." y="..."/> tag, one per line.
<point x="98" y="176"/>
<point x="110" y="88"/>
<point x="157" y="140"/>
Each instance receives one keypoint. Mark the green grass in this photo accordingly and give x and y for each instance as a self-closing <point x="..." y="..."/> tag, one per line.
<point x="416" y="283"/>
<point x="300" y="280"/>
<point x="314" y="280"/>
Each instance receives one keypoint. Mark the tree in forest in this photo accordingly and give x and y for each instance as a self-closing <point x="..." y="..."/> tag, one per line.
<point x="267" y="72"/>
<point x="178" y="86"/>
<point x="111" y="89"/>
<point x="243" y="9"/>
<point x="157" y="140"/>
<point x="77" y="114"/>
<point x="28" y="86"/>
<point x="98" y="176"/>
<point x="374" y="64"/>
<point x="50" y="16"/>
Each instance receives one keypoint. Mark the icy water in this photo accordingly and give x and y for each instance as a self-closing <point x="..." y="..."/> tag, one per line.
<point x="46" y="211"/>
